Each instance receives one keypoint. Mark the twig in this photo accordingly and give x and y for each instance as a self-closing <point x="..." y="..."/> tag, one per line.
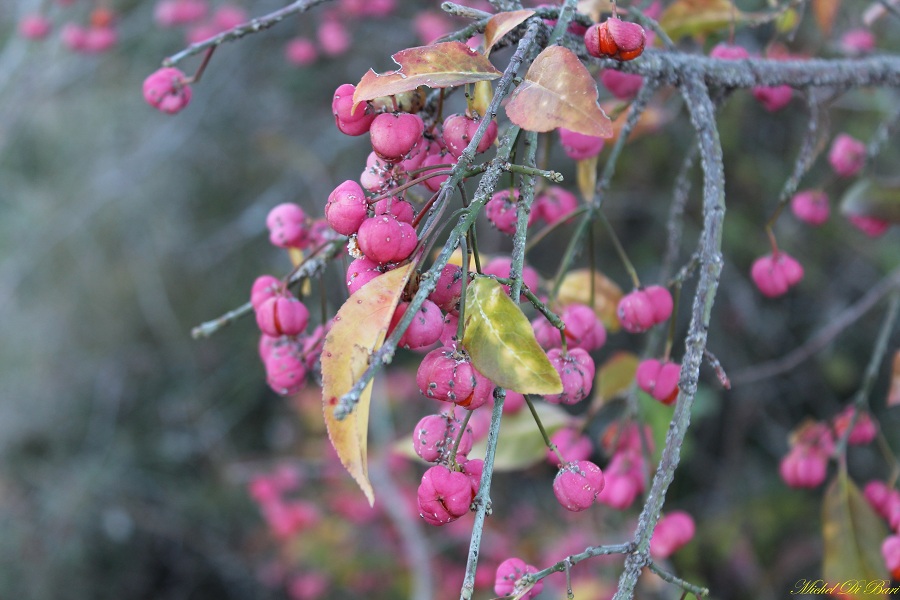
<point x="700" y="592"/>
<point x="835" y="327"/>
<point x="523" y="210"/>
<point x="702" y="112"/>
<point x="235" y="33"/>
<point x="574" y="559"/>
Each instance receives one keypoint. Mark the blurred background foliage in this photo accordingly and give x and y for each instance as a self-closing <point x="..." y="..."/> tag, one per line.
<point x="126" y="447"/>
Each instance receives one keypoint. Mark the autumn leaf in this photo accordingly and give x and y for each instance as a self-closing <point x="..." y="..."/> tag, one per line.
<point x="501" y="24"/>
<point x="501" y="343"/>
<point x="825" y="12"/>
<point x="359" y="329"/>
<point x="893" y="398"/>
<point x="558" y="91"/>
<point x="446" y="64"/>
<point x="616" y="375"/>
<point x="576" y="288"/>
<point x="520" y="444"/>
<point x="852" y="535"/>
<point x="586" y="175"/>
<point x="699" y="17"/>
<point x="876" y="199"/>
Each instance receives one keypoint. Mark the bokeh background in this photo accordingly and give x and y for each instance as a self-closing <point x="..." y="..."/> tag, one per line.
<point x="126" y="447"/>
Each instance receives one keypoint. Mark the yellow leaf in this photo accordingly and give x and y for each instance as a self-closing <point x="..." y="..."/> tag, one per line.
<point x="699" y="17"/>
<point x="359" y="329"/>
<point x="446" y="64"/>
<point x="501" y="344"/>
<point x="852" y="535"/>
<point x="576" y="288"/>
<point x="501" y="24"/>
<point x="616" y="375"/>
<point x="558" y="91"/>
<point x="484" y="93"/>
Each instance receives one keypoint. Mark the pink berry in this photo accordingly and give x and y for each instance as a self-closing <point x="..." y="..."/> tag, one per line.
<point x="579" y="146"/>
<point x="384" y="239"/>
<point x="623" y="86"/>
<point x="394" y="135"/>
<point x="166" y="90"/>
<point x="577" y="484"/>
<point x="448" y="334"/>
<point x="659" y="379"/>
<point x="576" y="370"/>
<point x="774" y="275"/>
<point x="890" y="551"/>
<point x="857" y="41"/>
<point x="435" y="435"/>
<point x="265" y="287"/>
<point x="282" y="315"/>
<point x="342" y="107"/>
<point x="501" y="210"/>
<point x="446" y="374"/>
<point x="459" y="129"/>
<point x="811" y="206"/>
<point x="347" y="208"/>
<point x="673" y="531"/>
<point x="301" y="52"/>
<point x="34" y="27"/>
<point x="99" y="39"/>
<point x="429" y="26"/>
<point x="514" y="402"/>
<point x="287" y="226"/>
<point x="725" y="51"/>
<point x="803" y="467"/>
<point x="878" y="494"/>
<point x="473" y="469"/>
<point x="509" y="572"/>
<point x="661" y="300"/>
<point x="870" y="226"/>
<point x="636" y="312"/>
<point x="360" y="272"/>
<point x="619" y="491"/>
<point x="425" y="328"/>
<point x="74" y="37"/>
<point x="553" y="204"/>
<point x="847" y="155"/>
<point x="379" y="175"/>
<point x="398" y="207"/>
<point x="443" y="496"/>
<point x="864" y="431"/>
<point x="334" y="39"/>
<point x="448" y="288"/>
<point x="774" y="98"/>
<point x="573" y="446"/>
<point x="285" y="370"/>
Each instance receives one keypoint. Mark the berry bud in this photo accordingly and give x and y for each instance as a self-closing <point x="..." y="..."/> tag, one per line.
<point x="870" y="226"/>
<point x="659" y="379"/>
<point x="434" y="436"/>
<point x="673" y="531"/>
<point x="334" y="39"/>
<point x="342" y="107"/>
<point x="384" y="239"/>
<point x="623" y="86"/>
<point x="890" y="550"/>
<point x="847" y="155"/>
<point x="287" y="226"/>
<point x="577" y="484"/>
<point x="398" y="207"/>
<point x="774" y="275"/>
<point x="811" y="206"/>
<point x="285" y="369"/>
<point x="615" y="38"/>
<point x="553" y="204"/>
<point x="864" y="431"/>
<point x="447" y="375"/>
<point x="394" y="135"/>
<point x="448" y="288"/>
<point x="857" y="41"/>
<point x="425" y="328"/>
<point x="579" y="146"/>
<point x="661" y="300"/>
<point x="265" y="287"/>
<point x="166" y="90"/>
<point x="346" y="208"/>
<point x="803" y="467"/>
<point x="576" y="370"/>
<point x="443" y="496"/>
<point x="282" y="315"/>
<point x="636" y="312"/>
<point x="573" y="446"/>
<point x="34" y="27"/>
<point x="360" y="272"/>
<point x="301" y="52"/>
<point x="725" y="51"/>
<point x="509" y="572"/>
<point x="501" y="210"/>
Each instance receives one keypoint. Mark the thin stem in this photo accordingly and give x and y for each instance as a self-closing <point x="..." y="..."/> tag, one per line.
<point x="554" y="176"/>
<point x="459" y="437"/>
<point x="537" y="238"/>
<point x="700" y="592"/>
<point x="620" y="250"/>
<point x="523" y="210"/>
<point x="574" y="559"/>
<point x="465" y="252"/>
<point x="670" y="335"/>
<point x="540" y="425"/>
<point x="861" y="399"/>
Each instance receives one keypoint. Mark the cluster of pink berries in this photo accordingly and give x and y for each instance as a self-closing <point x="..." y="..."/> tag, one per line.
<point x="97" y="36"/>
<point x="806" y="464"/>
<point x="509" y="573"/>
<point x="641" y="309"/>
<point x="774" y="274"/>
<point x="196" y="16"/>
<point x="885" y="501"/>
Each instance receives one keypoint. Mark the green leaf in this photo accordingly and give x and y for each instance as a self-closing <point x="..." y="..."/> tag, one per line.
<point x="558" y="91"/>
<point x="501" y="344"/>
<point x="852" y="535"/>
<point x="871" y="198"/>
<point x="521" y="444"/>
<point x="447" y="64"/>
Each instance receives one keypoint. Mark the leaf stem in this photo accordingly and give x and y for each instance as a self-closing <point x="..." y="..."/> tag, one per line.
<point x="540" y="425"/>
